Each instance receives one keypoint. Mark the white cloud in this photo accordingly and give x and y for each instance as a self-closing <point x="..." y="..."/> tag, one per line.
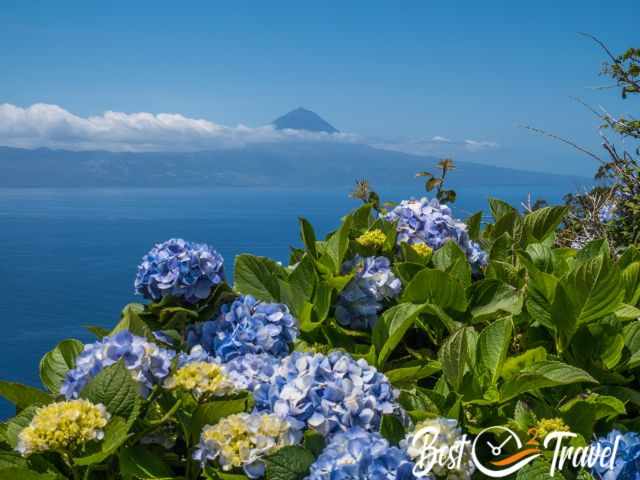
<point x="45" y="125"/>
<point x="437" y="146"/>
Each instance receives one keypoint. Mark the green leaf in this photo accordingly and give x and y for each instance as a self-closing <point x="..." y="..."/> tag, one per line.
<point x="451" y="259"/>
<point x="582" y="412"/>
<point x="258" y="276"/>
<point x="543" y="222"/>
<point x="56" y="363"/>
<point x="391" y="428"/>
<point x="457" y="354"/>
<point x="132" y="321"/>
<point x="539" y="469"/>
<point x="308" y="237"/>
<point x="413" y="373"/>
<point x="314" y="442"/>
<point x="500" y="208"/>
<point x="13" y="473"/>
<point x="139" y="462"/>
<point x="16" y="424"/>
<point x="593" y="249"/>
<point x="493" y="345"/>
<point x="304" y="276"/>
<point x="99" y="332"/>
<point x="391" y="327"/>
<point x="490" y="297"/>
<point x="549" y="373"/>
<point x="512" y="366"/>
<point x="288" y="463"/>
<point x="338" y="243"/>
<point x="473" y="225"/>
<point x="22" y="395"/>
<point x="591" y="291"/>
<point x="631" y="281"/>
<point x="436" y="287"/>
<point x="115" y="389"/>
<point x="115" y="434"/>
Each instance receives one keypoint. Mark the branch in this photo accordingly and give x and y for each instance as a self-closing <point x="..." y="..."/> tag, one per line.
<point x="564" y="140"/>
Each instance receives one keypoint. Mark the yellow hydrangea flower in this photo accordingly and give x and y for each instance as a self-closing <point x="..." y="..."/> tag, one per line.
<point x="547" y="425"/>
<point x="373" y="238"/>
<point x="63" y="426"/>
<point x="243" y="439"/>
<point x="202" y="379"/>
<point x="422" y="249"/>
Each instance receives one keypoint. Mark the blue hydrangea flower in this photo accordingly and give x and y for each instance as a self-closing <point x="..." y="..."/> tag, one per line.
<point x="148" y="363"/>
<point x="428" y="221"/>
<point x="328" y="393"/>
<point x="246" y="326"/>
<point x="627" y="462"/>
<point x="363" y="297"/>
<point x="181" y="269"/>
<point x="251" y="370"/>
<point x="607" y="212"/>
<point x="359" y="454"/>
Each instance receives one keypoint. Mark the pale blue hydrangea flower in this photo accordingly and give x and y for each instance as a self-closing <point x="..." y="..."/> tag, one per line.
<point x="148" y="363"/>
<point x="607" y="212"/>
<point x="627" y="462"/>
<point x="444" y="435"/>
<point x="364" y="296"/>
<point x="251" y="370"/>
<point x="328" y="393"/>
<point x="428" y="221"/>
<point x="246" y="326"/>
<point x="362" y="455"/>
<point x="180" y="269"/>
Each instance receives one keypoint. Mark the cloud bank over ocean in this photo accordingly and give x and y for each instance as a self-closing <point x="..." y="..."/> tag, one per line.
<point x="51" y="126"/>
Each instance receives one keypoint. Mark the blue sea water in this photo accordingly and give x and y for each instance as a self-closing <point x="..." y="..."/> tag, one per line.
<point x="69" y="256"/>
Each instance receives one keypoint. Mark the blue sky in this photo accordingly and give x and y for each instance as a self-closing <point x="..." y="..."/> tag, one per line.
<point x="394" y="72"/>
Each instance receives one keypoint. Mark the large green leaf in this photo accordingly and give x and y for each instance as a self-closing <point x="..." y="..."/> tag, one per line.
<point x="512" y="366"/>
<point x="308" y="237"/>
<point x="500" y="208"/>
<point x="56" y="363"/>
<point x="549" y="373"/>
<point x="289" y="463"/>
<point x="451" y="259"/>
<point x="543" y="222"/>
<point x="412" y="372"/>
<point x="115" y="389"/>
<point x="211" y="412"/>
<point x="22" y="395"/>
<point x="16" y="424"/>
<point x="491" y="297"/>
<point x="138" y="461"/>
<point x="391" y="327"/>
<point x="436" y="287"/>
<point x="338" y="243"/>
<point x="582" y="412"/>
<point x="132" y="321"/>
<point x="258" y="276"/>
<point x="457" y="355"/>
<point x="631" y="281"/>
<point x="493" y="345"/>
<point x="591" y="291"/>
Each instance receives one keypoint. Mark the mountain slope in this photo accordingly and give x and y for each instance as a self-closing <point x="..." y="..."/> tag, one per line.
<point x="304" y="164"/>
<point x="302" y="119"/>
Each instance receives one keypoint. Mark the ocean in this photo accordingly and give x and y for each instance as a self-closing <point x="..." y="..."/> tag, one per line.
<point x="69" y="256"/>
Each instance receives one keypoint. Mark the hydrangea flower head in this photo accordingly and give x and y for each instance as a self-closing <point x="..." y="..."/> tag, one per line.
<point x="447" y="436"/>
<point x="148" y="363"/>
<point x="180" y="269"/>
<point x="359" y="454"/>
<point x="607" y="212"/>
<point x="363" y="297"/>
<point x="372" y="239"/>
<point x="63" y="426"/>
<point x="243" y="440"/>
<point x="251" y="369"/>
<point x="546" y="426"/>
<point x="428" y="221"/>
<point x="627" y="462"/>
<point x="422" y="249"/>
<point x="246" y="326"/>
<point x="203" y="379"/>
<point x="328" y="393"/>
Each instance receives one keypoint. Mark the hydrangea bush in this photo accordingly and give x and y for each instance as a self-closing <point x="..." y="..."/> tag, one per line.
<point x="328" y="367"/>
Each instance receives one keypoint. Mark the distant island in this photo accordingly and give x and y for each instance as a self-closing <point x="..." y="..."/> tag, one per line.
<point x="305" y="163"/>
